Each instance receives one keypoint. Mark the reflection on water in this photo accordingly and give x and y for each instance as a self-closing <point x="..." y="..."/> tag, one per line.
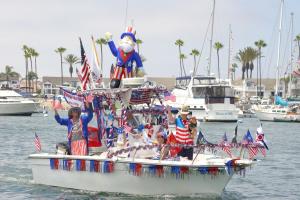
<point x="276" y="177"/>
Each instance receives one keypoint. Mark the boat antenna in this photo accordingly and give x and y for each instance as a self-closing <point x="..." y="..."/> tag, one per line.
<point x="278" y="48"/>
<point x="126" y="15"/>
<point x="203" y="44"/>
<point x="211" y="37"/>
<point x="229" y="50"/>
<point x="292" y="54"/>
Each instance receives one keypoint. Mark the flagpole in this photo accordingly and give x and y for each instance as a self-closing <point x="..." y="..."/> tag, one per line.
<point x="95" y="52"/>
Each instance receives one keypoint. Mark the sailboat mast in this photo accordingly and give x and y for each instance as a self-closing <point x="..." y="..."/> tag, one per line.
<point x="229" y="51"/>
<point x="292" y="55"/>
<point x="211" y="37"/>
<point x="279" y="48"/>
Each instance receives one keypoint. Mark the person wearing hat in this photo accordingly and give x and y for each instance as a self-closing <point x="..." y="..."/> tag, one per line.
<point x="163" y="149"/>
<point x="125" y="55"/>
<point x="77" y="124"/>
<point x="184" y="135"/>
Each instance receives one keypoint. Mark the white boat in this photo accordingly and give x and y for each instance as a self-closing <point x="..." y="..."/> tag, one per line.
<point x="12" y="103"/>
<point x="49" y="169"/>
<point x="271" y="112"/>
<point x="207" y="98"/>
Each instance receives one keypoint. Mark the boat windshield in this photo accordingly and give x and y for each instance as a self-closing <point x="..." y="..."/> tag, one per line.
<point x="183" y="81"/>
<point x="204" y="80"/>
<point x="213" y="91"/>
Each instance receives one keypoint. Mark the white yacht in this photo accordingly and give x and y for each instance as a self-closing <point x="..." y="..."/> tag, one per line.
<point x="12" y="103"/>
<point x="207" y="98"/>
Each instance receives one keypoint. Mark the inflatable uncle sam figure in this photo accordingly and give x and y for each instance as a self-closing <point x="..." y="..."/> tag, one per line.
<point x="126" y="56"/>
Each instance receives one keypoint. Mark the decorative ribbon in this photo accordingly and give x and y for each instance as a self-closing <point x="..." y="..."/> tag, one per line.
<point x="54" y="163"/>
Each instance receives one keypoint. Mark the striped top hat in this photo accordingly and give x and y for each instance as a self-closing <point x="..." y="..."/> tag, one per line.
<point x="129" y="32"/>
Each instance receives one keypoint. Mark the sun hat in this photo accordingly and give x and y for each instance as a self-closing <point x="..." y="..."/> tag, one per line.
<point x="184" y="110"/>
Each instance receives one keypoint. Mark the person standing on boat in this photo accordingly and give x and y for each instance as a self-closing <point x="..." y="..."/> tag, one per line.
<point x="126" y="56"/>
<point x="185" y="133"/>
<point x="77" y="124"/>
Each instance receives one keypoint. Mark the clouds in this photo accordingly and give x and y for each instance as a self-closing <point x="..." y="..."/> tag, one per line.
<point x="48" y="24"/>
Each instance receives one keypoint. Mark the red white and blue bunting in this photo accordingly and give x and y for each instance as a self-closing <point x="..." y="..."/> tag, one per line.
<point x="82" y="165"/>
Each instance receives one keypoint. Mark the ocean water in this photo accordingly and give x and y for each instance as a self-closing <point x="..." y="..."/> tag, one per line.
<point x="275" y="177"/>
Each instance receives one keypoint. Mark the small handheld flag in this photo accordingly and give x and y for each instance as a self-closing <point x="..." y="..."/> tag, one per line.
<point x="37" y="143"/>
<point x="225" y="145"/>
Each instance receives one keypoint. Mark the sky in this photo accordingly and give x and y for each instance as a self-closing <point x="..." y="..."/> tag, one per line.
<point x="48" y="24"/>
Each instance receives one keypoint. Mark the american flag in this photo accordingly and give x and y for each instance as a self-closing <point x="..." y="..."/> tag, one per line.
<point x="37" y="143"/>
<point x="252" y="151"/>
<point x="248" y="140"/>
<point x="85" y="68"/>
<point x="140" y="96"/>
<point x="225" y="146"/>
<point x="170" y="97"/>
<point x="183" y="134"/>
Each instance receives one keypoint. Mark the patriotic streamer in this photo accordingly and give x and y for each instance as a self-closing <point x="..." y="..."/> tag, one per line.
<point x="67" y="164"/>
<point x="80" y="165"/>
<point x="54" y="163"/>
<point x="135" y="169"/>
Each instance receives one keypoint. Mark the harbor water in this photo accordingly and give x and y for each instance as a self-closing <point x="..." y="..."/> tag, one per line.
<point x="275" y="177"/>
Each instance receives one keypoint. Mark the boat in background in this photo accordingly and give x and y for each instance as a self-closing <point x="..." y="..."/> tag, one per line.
<point x="12" y="103"/>
<point x="207" y="98"/>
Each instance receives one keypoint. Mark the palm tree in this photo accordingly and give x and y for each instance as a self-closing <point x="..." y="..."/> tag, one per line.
<point x="60" y="51"/>
<point x="31" y="52"/>
<point x="138" y="43"/>
<point x="260" y="44"/>
<point x="251" y="55"/>
<point x="180" y="43"/>
<point x="71" y="59"/>
<point x="182" y="57"/>
<point x="195" y="53"/>
<point x="241" y="57"/>
<point x="35" y="54"/>
<point x="8" y="73"/>
<point x="101" y="42"/>
<point x="218" y="46"/>
<point x="297" y="39"/>
<point x="31" y="76"/>
<point x="234" y="66"/>
<point x="26" y="56"/>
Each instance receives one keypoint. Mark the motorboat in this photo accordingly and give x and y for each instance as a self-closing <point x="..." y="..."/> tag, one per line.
<point x="208" y="99"/>
<point x="207" y="174"/>
<point x="135" y="166"/>
<point x="12" y="103"/>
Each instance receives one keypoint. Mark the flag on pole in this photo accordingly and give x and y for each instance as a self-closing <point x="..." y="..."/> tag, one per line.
<point x="248" y="140"/>
<point x="85" y="68"/>
<point x="225" y="145"/>
<point x="95" y="70"/>
<point x="37" y="143"/>
<point x="260" y="138"/>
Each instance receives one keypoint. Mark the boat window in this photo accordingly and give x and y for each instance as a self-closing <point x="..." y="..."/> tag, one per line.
<point x="203" y="81"/>
<point x="182" y="82"/>
<point x="273" y="110"/>
<point x="199" y="92"/>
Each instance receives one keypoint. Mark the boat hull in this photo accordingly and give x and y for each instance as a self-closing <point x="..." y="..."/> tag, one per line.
<point x="221" y="116"/>
<point x="17" y="108"/>
<point x="268" y="116"/>
<point x="121" y="181"/>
